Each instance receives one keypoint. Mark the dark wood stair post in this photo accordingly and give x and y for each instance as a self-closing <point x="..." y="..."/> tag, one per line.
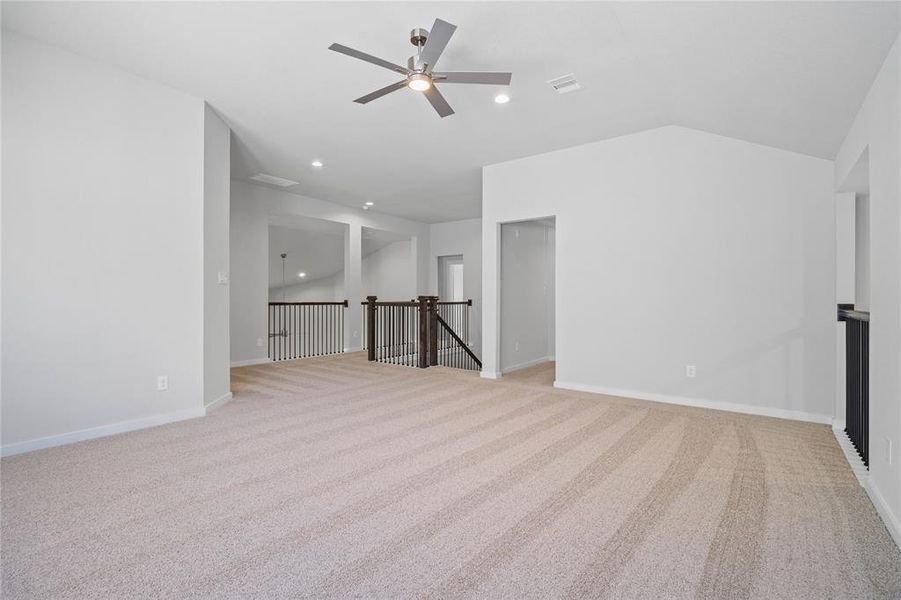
<point x="423" y="332"/>
<point x="370" y="327"/>
<point x="433" y="331"/>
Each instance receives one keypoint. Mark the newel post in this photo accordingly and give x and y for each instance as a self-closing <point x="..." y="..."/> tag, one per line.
<point x="433" y="331"/>
<point x="423" y="331"/>
<point x="370" y="327"/>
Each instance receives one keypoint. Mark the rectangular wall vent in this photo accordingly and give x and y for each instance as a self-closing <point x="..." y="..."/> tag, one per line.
<point x="273" y="180"/>
<point x="565" y="84"/>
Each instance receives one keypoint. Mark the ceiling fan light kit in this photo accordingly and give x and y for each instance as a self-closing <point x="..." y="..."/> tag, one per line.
<point x="419" y="73"/>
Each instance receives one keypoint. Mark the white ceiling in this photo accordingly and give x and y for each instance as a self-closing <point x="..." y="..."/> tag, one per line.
<point x="786" y="74"/>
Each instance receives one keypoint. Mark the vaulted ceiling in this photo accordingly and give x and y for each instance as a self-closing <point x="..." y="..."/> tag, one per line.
<point x="785" y="74"/>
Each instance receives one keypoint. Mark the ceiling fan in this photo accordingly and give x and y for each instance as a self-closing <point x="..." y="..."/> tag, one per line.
<point x="419" y="74"/>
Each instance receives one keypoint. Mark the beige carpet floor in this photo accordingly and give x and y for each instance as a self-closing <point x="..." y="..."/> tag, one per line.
<point x="336" y="478"/>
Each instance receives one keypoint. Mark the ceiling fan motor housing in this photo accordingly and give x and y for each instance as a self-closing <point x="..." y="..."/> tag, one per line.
<point x="418" y="36"/>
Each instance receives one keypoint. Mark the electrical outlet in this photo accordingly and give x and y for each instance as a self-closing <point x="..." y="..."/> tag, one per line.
<point x="162" y="383"/>
<point x="259" y="342"/>
<point x="516" y="347"/>
<point x="689" y="370"/>
<point x="888" y="450"/>
<point x="223" y="278"/>
<point x="356" y="333"/>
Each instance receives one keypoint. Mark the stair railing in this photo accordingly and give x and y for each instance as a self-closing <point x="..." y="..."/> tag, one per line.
<point x="303" y="329"/>
<point x="419" y="333"/>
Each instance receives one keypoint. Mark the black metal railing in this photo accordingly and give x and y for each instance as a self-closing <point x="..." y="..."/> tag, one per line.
<point x="301" y="329"/>
<point x="452" y="350"/>
<point x="393" y="332"/>
<point x="456" y="315"/>
<point x="419" y="333"/>
<point x="857" y="379"/>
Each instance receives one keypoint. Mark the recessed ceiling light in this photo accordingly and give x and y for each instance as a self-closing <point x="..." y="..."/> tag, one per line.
<point x="365" y="208"/>
<point x="301" y="274"/>
<point x="369" y="204"/>
<point x="502" y="98"/>
<point x="317" y="163"/>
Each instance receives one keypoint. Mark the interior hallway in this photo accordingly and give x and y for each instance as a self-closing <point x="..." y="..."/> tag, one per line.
<point x="335" y="477"/>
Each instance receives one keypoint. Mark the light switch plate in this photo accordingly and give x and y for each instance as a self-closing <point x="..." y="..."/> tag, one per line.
<point x="223" y="278"/>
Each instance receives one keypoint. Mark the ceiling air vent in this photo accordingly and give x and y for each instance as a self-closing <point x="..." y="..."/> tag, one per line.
<point x="273" y="180"/>
<point x="565" y="84"/>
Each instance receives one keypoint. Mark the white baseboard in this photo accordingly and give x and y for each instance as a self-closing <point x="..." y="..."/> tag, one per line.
<point x="892" y="523"/>
<point x="101" y="431"/>
<point x="490" y="374"/>
<point x="354" y="349"/>
<point x="250" y="362"/>
<point x="527" y="364"/>
<point x="218" y="402"/>
<point x="781" y="413"/>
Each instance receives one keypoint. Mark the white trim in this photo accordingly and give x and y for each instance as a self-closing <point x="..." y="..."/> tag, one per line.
<point x="780" y="413"/>
<point x="101" y="431"/>
<point x="892" y="523"/>
<point x="527" y="364"/>
<point x="489" y="375"/>
<point x="250" y="362"/>
<point x="218" y="402"/>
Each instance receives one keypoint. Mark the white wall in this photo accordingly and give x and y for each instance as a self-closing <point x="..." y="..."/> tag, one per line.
<point x="216" y="179"/>
<point x="862" y="252"/>
<point x="876" y="130"/>
<point x="526" y="283"/>
<point x="461" y="237"/>
<point x="249" y="288"/>
<point x="678" y="247"/>
<point x="386" y="272"/>
<point x="252" y="206"/>
<point x="103" y="257"/>
<point x="845" y="248"/>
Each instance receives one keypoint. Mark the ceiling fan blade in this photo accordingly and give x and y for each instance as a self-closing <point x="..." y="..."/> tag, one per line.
<point x="438" y="102"/>
<point x="369" y="58"/>
<point x="474" y="77"/>
<point x="439" y="36"/>
<point x="382" y="92"/>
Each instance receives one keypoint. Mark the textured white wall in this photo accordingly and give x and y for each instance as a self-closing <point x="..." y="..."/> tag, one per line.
<point x="103" y="258"/>
<point x="677" y="247"/>
<point x="877" y="130"/>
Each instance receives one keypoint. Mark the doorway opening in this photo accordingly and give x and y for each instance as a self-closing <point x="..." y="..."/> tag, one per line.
<point x="527" y="299"/>
<point x="450" y="278"/>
